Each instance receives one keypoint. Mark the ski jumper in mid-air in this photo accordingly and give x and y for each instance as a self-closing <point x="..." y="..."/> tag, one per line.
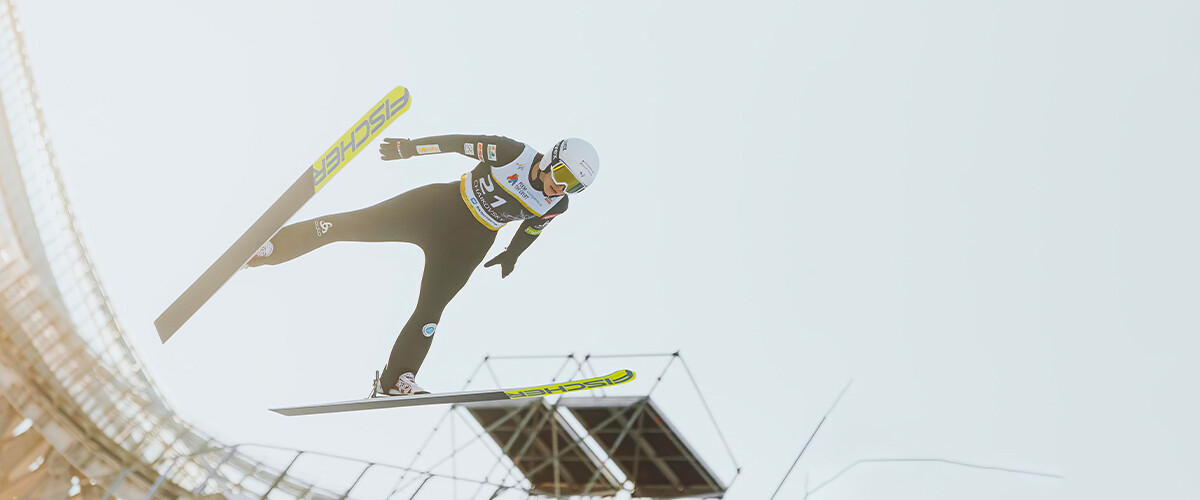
<point x="454" y="223"/>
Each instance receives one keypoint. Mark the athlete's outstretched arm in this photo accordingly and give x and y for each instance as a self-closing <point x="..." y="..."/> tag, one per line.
<point x="508" y="258"/>
<point x="491" y="149"/>
<point x="529" y="231"/>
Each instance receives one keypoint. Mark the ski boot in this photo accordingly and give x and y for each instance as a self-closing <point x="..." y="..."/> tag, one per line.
<point x="264" y="251"/>
<point x="406" y="385"/>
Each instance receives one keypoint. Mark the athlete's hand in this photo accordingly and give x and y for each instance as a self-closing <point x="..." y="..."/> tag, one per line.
<point x="506" y="263"/>
<point x="396" y="149"/>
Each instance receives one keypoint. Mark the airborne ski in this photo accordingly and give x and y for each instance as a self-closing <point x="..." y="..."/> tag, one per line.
<point x="537" y="391"/>
<point x="361" y="134"/>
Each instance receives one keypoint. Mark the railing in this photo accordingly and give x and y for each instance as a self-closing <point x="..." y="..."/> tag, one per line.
<point x="60" y="333"/>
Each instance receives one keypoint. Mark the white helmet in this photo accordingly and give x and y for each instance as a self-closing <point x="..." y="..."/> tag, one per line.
<point x="574" y="164"/>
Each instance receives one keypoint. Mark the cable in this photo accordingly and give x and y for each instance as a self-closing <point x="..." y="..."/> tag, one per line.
<point x="711" y="417"/>
<point x="810" y="438"/>
<point x="938" y="460"/>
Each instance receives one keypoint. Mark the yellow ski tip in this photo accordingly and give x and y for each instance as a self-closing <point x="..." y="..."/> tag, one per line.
<point x="615" y="378"/>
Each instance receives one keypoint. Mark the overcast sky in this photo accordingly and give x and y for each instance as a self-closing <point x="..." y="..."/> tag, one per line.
<point x="983" y="212"/>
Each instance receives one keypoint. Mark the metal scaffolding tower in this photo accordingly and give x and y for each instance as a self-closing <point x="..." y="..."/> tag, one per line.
<point x="590" y="445"/>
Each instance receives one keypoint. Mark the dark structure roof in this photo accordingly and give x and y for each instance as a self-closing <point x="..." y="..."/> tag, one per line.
<point x="632" y="433"/>
<point x="644" y="445"/>
<point x="545" y="448"/>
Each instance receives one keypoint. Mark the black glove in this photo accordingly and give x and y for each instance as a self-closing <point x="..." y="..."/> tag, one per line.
<point x="396" y="149"/>
<point x="506" y="260"/>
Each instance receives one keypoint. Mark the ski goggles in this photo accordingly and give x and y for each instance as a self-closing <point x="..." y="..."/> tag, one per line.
<point x="565" y="178"/>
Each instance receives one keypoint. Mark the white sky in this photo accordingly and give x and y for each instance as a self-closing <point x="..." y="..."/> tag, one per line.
<point x="983" y="212"/>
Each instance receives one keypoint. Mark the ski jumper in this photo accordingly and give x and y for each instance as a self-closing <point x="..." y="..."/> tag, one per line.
<point x="454" y="224"/>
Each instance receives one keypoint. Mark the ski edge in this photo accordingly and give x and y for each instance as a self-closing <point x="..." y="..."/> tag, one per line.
<point x="613" y="379"/>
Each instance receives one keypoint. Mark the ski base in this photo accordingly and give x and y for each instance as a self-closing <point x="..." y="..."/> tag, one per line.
<point x="615" y="378"/>
<point x="358" y="137"/>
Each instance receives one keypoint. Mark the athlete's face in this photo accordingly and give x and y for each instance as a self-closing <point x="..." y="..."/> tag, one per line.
<point x="550" y="187"/>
